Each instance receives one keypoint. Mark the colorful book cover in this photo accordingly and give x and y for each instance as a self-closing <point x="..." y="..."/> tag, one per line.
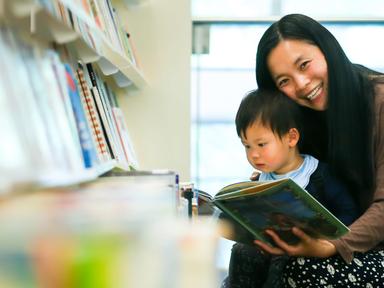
<point x="251" y="207"/>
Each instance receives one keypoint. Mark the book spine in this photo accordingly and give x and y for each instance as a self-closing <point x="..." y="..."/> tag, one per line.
<point x="101" y="114"/>
<point x="81" y="122"/>
<point x="127" y="144"/>
<point x="111" y="124"/>
<point x="120" y="132"/>
<point x="105" y="113"/>
<point x="84" y="95"/>
<point x="96" y="15"/>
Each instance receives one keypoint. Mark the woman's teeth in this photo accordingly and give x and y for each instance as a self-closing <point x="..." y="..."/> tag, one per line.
<point x="314" y="93"/>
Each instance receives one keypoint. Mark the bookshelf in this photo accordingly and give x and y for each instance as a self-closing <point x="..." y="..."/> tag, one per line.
<point x="73" y="212"/>
<point x="31" y="15"/>
<point x="43" y="24"/>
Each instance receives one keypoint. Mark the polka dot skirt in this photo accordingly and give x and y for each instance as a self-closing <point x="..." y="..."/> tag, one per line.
<point x="366" y="270"/>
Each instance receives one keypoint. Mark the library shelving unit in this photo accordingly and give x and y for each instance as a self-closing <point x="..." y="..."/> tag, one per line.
<point x="74" y="209"/>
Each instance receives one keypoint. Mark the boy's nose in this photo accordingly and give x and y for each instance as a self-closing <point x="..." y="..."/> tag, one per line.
<point x="255" y="154"/>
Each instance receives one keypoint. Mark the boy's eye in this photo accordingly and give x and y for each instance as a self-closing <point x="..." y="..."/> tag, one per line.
<point x="261" y="144"/>
<point x="246" y="146"/>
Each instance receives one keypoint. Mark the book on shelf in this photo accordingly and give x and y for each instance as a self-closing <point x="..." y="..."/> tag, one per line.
<point x="93" y="117"/>
<point x="104" y="110"/>
<point x="251" y="207"/>
<point x="58" y="103"/>
<point x="125" y="139"/>
<point x="106" y="102"/>
<point x="104" y="122"/>
<point x="125" y="41"/>
<point x="95" y="93"/>
<point x="87" y="147"/>
<point x="97" y="14"/>
<point x="14" y="153"/>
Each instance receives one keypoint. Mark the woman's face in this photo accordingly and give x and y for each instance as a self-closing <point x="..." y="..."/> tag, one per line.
<point x="300" y="71"/>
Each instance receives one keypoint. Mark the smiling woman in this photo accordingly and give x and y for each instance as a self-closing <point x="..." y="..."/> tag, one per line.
<point x="300" y="71"/>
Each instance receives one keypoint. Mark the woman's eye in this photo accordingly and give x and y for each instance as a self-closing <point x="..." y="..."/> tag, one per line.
<point x="304" y="65"/>
<point x="281" y="83"/>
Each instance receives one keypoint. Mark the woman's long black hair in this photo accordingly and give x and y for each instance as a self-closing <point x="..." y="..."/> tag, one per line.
<point x="342" y="135"/>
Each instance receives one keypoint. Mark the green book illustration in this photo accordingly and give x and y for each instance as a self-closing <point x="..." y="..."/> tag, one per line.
<point x="252" y="207"/>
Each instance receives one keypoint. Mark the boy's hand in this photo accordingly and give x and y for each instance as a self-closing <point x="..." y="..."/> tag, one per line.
<point x="307" y="247"/>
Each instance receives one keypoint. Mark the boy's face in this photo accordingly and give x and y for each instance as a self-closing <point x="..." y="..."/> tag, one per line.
<point x="268" y="152"/>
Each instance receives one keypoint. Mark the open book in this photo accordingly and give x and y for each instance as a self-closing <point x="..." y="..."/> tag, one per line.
<point x="252" y="207"/>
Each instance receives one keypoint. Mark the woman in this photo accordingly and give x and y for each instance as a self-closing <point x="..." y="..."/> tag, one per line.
<point x="344" y="109"/>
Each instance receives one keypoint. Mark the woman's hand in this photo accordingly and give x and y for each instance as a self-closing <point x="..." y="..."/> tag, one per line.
<point x="307" y="247"/>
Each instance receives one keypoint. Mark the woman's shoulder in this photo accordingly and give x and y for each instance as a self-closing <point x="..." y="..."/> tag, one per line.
<point x="378" y="90"/>
<point x="378" y="84"/>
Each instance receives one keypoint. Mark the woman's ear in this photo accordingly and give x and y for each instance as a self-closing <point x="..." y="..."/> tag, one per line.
<point x="293" y="137"/>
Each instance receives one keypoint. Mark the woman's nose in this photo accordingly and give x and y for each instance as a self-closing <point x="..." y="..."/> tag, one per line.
<point x="301" y="81"/>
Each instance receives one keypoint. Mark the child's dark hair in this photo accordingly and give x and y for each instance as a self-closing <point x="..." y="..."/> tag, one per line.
<point x="271" y="108"/>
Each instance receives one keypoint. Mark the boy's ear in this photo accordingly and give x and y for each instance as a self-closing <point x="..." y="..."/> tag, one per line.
<point x="294" y="136"/>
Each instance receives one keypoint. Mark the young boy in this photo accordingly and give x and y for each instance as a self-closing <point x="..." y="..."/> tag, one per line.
<point x="268" y="124"/>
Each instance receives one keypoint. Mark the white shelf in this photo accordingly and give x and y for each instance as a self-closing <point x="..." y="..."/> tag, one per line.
<point x="61" y="178"/>
<point x="124" y="71"/>
<point x="34" y="18"/>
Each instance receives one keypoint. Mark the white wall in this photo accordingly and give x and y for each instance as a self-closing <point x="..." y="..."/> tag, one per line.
<point x="158" y="116"/>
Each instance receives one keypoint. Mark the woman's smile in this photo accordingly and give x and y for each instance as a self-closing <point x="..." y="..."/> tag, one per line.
<point x="300" y="71"/>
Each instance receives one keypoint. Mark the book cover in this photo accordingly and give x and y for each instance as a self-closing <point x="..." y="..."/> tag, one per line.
<point x="252" y="207"/>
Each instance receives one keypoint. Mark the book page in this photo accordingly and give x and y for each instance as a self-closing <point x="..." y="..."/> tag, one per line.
<point x="246" y="188"/>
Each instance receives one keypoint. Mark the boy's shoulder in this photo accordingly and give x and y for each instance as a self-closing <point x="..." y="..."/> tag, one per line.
<point x="324" y="179"/>
<point x="321" y="173"/>
<point x="322" y="182"/>
<point x="322" y="169"/>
